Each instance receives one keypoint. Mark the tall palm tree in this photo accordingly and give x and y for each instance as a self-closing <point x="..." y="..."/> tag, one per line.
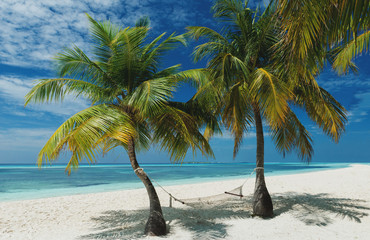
<point x="130" y="103"/>
<point x="248" y="85"/>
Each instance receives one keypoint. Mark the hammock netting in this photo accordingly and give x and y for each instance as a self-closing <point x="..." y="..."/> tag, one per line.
<point x="199" y="201"/>
<point x="232" y="194"/>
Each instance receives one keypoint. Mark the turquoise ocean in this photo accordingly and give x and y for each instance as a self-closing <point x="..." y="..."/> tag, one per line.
<point x="20" y="182"/>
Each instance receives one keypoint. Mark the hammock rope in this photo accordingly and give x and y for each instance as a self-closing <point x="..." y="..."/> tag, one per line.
<point x="183" y="201"/>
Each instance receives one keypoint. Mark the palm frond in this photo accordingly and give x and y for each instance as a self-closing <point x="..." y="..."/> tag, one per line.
<point x="208" y="49"/>
<point x="153" y="50"/>
<point x="204" y="114"/>
<point x="167" y="71"/>
<point x="197" y="32"/>
<point x="227" y="9"/>
<point x="272" y="96"/>
<point x="345" y="54"/>
<point x="151" y="95"/>
<point x="196" y="77"/>
<point x="74" y="63"/>
<point x="311" y="25"/>
<point x="302" y="24"/>
<point x="237" y="113"/>
<point x="324" y="110"/>
<point x="103" y="33"/>
<point x="228" y="69"/>
<point x="143" y="22"/>
<point x="129" y="94"/>
<point x="293" y="135"/>
<point x="48" y="90"/>
<point x="176" y="131"/>
<point x="82" y="133"/>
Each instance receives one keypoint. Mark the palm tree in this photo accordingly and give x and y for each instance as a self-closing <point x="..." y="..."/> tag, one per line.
<point x="130" y="103"/>
<point x="248" y="85"/>
<point x="311" y="28"/>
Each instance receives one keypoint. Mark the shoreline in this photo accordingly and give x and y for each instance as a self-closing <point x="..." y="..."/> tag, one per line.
<point x="230" y="181"/>
<point x="331" y="204"/>
<point x="134" y="183"/>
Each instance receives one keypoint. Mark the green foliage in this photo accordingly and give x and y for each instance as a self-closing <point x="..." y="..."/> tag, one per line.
<point x="130" y="97"/>
<point x="310" y="28"/>
<point x="347" y="52"/>
<point x="248" y="73"/>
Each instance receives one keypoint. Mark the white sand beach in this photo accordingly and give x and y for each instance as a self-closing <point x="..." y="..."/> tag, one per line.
<point x="331" y="204"/>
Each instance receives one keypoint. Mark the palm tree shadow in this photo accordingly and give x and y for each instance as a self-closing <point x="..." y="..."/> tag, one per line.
<point x="119" y="225"/>
<point x="206" y="221"/>
<point x="320" y="209"/>
<point x="203" y="222"/>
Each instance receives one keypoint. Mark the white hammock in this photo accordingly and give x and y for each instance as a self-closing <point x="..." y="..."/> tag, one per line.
<point x="236" y="192"/>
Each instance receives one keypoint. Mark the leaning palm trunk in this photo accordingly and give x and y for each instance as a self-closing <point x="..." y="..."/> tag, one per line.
<point x="262" y="204"/>
<point x="130" y="103"/>
<point x="156" y="225"/>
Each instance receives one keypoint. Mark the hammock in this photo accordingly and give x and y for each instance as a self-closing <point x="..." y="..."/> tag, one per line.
<point x="236" y="192"/>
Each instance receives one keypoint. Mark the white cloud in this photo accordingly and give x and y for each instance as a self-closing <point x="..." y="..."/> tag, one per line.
<point x="345" y="82"/>
<point x="259" y="3"/>
<point x="14" y="88"/>
<point x="357" y="83"/>
<point x="226" y="135"/>
<point x="24" y="138"/>
<point x="361" y="84"/>
<point x="248" y="147"/>
<point x="361" y="110"/>
<point x="33" y="31"/>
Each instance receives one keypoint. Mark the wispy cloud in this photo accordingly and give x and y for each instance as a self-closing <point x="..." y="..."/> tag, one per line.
<point x="248" y="147"/>
<point x="226" y="135"/>
<point x="33" y="31"/>
<point x="259" y="3"/>
<point x="250" y="134"/>
<point x="339" y="83"/>
<point x="14" y="88"/>
<point x="358" y="86"/>
<point x="24" y="138"/>
<point x="360" y="111"/>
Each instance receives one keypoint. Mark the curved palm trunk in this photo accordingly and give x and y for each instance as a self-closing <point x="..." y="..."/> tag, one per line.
<point x="262" y="204"/>
<point x="156" y="225"/>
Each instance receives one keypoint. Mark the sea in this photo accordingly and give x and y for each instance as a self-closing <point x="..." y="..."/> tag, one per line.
<point x="21" y="182"/>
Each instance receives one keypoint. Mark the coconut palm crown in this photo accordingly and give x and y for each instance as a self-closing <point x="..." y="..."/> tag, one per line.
<point x="130" y="103"/>
<point x="248" y="86"/>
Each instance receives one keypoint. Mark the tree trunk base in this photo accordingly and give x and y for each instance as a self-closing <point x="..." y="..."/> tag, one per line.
<point x="262" y="203"/>
<point x="155" y="226"/>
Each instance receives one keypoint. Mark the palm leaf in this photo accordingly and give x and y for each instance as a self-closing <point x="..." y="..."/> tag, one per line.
<point x="47" y="90"/>
<point x="345" y="54"/>
<point x="272" y="95"/>
<point x="131" y="95"/>
<point x="150" y="96"/>
<point x="236" y="113"/>
<point x="82" y="132"/>
<point x="323" y="109"/>
<point x="293" y="135"/>
<point x="176" y="131"/>
<point x="103" y="32"/>
<point x="197" y="32"/>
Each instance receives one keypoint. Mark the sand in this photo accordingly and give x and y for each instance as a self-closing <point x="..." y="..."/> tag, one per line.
<point x="331" y="204"/>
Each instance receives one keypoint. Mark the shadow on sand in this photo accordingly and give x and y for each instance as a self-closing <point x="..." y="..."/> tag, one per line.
<point x="206" y="221"/>
<point x="319" y="209"/>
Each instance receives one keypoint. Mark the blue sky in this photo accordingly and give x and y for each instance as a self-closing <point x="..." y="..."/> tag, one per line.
<point x="33" y="31"/>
